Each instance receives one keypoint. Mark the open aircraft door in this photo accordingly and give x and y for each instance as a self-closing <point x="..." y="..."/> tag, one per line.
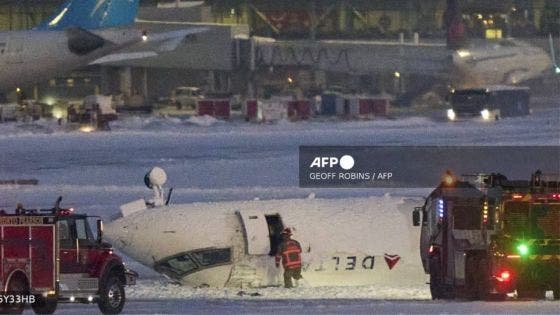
<point x="257" y="238"/>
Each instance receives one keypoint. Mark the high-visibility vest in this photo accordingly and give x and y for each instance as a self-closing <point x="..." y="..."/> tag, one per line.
<point x="290" y="253"/>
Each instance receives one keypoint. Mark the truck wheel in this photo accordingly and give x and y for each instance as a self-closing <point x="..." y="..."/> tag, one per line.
<point x="44" y="305"/>
<point x="18" y="285"/>
<point x="436" y="287"/>
<point x="483" y="285"/>
<point x="112" y="296"/>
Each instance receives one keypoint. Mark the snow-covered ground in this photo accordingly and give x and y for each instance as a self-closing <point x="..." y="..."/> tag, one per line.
<point x="208" y="160"/>
<point x="258" y="305"/>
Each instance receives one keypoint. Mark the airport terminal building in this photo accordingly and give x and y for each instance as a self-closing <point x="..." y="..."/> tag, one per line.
<point x="256" y="48"/>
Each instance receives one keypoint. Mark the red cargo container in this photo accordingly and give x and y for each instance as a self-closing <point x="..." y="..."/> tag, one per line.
<point x="222" y="109"/>
<point x="304" y="109"/>
<point x="205" y="107"/>
<point x="293" y="109"/>
<point x="299" y="109"/>
<point x="251" y="109"/>
<point x="380" y="107"/>
<point x="365" y="106"/>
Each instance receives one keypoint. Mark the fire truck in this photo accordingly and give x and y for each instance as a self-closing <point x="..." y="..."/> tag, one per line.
<point x="485" y="236"/>
<point x="51" y="256"/>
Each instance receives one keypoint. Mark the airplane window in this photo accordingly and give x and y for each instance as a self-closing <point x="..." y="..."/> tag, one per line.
<point x="177" y="266"/>
<point x="182" y="263"/>
<point x="211" y="257"/>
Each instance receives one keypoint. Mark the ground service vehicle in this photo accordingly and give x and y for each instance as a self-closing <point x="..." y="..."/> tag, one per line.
<point x="489" y="103"/>
<point x="485" y="238"/>
<point x="52" y="256"/>
<point x="186" y="96"/>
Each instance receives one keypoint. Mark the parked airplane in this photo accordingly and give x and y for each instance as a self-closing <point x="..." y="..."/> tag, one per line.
<point x="355" y="241"/>
<point x="78" y="34"/>
<point x="507" y="61"/>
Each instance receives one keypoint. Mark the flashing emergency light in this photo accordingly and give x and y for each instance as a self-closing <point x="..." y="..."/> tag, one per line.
<point x="440" y="206"/>
<point x="485" y="213"/>
<point x="523" y="249"/>
<point x="448" y="178"/>
<point x="505" y="275"/>
<point x="557" y="70"/>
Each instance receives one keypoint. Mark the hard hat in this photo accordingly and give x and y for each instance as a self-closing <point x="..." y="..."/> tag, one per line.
<point x="287" y="232"/>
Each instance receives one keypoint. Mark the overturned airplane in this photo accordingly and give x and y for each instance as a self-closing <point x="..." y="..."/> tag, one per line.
<point x="354" y="241"/>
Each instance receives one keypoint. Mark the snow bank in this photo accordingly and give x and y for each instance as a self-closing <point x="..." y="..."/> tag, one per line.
<point x="204" y="121"/>
<point x="162" y="289"/>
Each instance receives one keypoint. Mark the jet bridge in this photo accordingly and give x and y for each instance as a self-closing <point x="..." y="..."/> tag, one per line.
<point x="356" y="57"/>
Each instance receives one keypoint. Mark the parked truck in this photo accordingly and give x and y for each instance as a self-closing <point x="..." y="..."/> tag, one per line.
<point x="53" y="256"/>
<point x="486" y="236"/>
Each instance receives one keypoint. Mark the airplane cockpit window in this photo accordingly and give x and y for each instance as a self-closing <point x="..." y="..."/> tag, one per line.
<point x="212" y="257"/>
<point x="182" y="264"/>
<point x="176" y="266"/>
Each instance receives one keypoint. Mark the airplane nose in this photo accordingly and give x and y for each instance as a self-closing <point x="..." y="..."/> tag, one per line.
<point x="117" y="233"/>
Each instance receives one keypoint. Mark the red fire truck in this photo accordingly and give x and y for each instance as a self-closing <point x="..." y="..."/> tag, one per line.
<point x="49" y="256"/>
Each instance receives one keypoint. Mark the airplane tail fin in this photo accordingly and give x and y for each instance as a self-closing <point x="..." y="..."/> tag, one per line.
<point x="92" y="14"/>
<point x="553" y="55"/>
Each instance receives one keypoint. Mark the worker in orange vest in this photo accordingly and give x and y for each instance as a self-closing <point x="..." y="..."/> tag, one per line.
<point x="289" y="252"/>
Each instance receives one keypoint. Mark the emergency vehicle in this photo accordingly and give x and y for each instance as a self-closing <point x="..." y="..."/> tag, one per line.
<point x="489" y="103"/>
<point x="49" y="256"/>
<point x="486" y="236"/>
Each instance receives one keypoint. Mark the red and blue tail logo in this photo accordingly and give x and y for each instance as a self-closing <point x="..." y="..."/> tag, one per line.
<point x="92" y="14"/>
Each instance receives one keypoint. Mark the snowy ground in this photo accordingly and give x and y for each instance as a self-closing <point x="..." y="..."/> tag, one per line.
<point x="323" y="306"/>
<point x="207" y="160"/>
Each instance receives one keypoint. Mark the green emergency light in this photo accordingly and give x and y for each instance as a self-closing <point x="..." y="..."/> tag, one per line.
<point x="523" y="249"/>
